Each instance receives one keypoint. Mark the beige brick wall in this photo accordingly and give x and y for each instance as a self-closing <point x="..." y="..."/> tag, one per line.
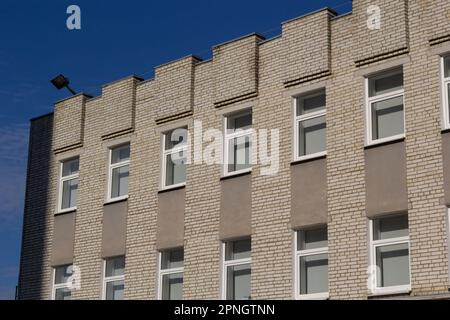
<point x="69" y="122"/>
<point x="256" y="71"/>
<point x="174" y="84"/>
<point x="427" y="214"/>
<point x="201" y="221"/>
<point x="306" y="46"/>
<point x="235" y="66"/>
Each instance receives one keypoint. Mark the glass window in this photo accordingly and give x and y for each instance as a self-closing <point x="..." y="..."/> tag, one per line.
<point x="237" y="270"/>
<point x="69" y="184"/>
<point x="390" y="252"/>
<point x="62" y="285"/>
<point x="446" y="90"/>
<point x="238" y="153"/>
<point x="314" y="274"/>
<point x="240" y="249"/>
<point x="174" y="157"/>
<point x="447" y="67"/>
<point x="171" y="274"/>
<point x="385" y="103"/>
<point x="387" y="118"/>
<point x="392" y="265"/>
<point x="390" y="227"/>
<point x="119" y="171"/>
<point x="238" y="142"/>
<point x="114" y="278"/>
<point x="115" y="267"/>
<point x="311" y="124"/>
<point x="312" y="263"/>
<point x="238" y="282"/>
<point x="172" y="286"/>
<point x="386" y="83"/>
<point x="171" y="259"/>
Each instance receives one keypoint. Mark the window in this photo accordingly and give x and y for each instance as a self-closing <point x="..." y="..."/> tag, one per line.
<point x="236" y="270"/>
<point x="237" y="151"/>
<point x="389" y="254"/>
<point x="310" y="125"/>
<point x="61" y="283"/>
<point x="68" y="185"/>
<point x="171" y="275"/>
<point x="174" y="158"/>
<point x="311" y="264"/>
<point x="385" y="112"/>
<point x="446" y="90"/>
<point x="119" y="167"/>
<point x="114" y="275"/>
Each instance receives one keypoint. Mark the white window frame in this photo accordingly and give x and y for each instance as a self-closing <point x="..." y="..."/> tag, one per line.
<point x="111" y="167"/>
<point x="445" y="103"/>
<point x="165" y="153"/>
<point x="304" y="253"/>
<point x="373" y="245"/>
<point x="66" y="285"/>
<point x="61" y="184"/>
<point x="229" y="136"/>
<point x="230" y="263"/>
<point x="371" y="100"/>
<point x="164" y="272"/>
<point x="106" y="279"/>
<point x="305" y="117"/>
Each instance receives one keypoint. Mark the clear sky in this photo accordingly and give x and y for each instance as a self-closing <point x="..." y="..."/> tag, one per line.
<point x="117" y="39"/>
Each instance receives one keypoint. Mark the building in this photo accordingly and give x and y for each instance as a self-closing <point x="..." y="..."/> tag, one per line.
<point x="356" y="109"/>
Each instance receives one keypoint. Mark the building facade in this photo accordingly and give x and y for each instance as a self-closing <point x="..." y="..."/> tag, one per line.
<point x="312" y="165"/>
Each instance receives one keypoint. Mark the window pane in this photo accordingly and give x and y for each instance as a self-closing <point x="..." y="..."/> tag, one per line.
<point x="172" y="259"/>
<point x="240" y="249"/>
<point x="312" y="136"/>
<point x="390" y="227"/>
<point x="175" y="137"/>
<point x="238" y="282"/>
<point x="392" y="265"/>
<point x="387" y="118"/>
<point x="119" y="181"/>
<point x="63" y="294"/>
<point x="239" y="153"/>
<point x="447" y="67"/>
<point x="69" y="194"/>
<point x="175" y="168"/>
<point x="62" y="274"/>
<point x="120" y="154"/>
<point x="114" y="290"/>
<point x="311" y="103"/>
<point x="241" y="121"/>
<point x="385" y="84"/>
<point x="115" y="267"/>
<point x="70" y="167"/>
<point x="172" y="286"/>
<point x="312" y="239"/>
<point x="314" y="274"/>
<point x="448" y="96"/>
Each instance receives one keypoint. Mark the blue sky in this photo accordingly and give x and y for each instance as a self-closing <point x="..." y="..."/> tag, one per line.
<point x="118" y="38"/>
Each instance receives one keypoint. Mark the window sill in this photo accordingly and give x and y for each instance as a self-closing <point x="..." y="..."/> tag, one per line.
<point x="308" y="158"/>
<point x="236" y="174"/>
<point x="445" y="130"/>
<point x="116" y="200"/>
<point x="315" y="296"/>
<point x="402" y="290"/>
<point x="172" y="188"/>
<point x="66" y="211"/>
<point x="384" y="142"/>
